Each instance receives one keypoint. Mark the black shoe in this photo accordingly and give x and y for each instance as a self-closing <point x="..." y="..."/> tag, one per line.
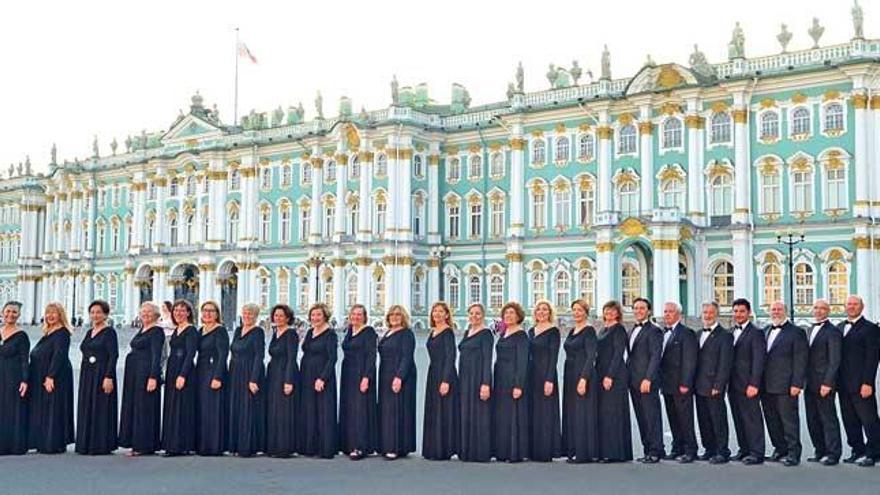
<point x="829" y="461"/>
<point x="718" y="459"/>
<point x="739" y="456"/>
<point x="705" y="456"/>
<point x="815" y="458"/>
<point x="751" y="460"/>
<point x="789" y="461"/>
<point x="671" y="456"/>
<point x="651" y="459"/>
<point x="866" y="462"/>
<point x="777" y="456"/>
<point x="641" y="459"/>
<point x="852" y="459"/>
<point x="686" y="459"/>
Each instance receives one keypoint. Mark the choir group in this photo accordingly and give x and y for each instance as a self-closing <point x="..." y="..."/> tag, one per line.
<point x="215" y="395"/>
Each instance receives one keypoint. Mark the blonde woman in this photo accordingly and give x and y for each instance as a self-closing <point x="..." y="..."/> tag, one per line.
<point x="317" y="436"/>
<point x="397" y="386"/>
<point x="475" y="388"/>
<point x="441" y="421"/>
<point x="247" y="403"/>
<point x="139" y="423"/>
<point x="544" y="341"/>
<point x="212" y="410"/>
<point x="511" y="400"/>
<point x="51" y="385"/>
<point x="14" y="349"/>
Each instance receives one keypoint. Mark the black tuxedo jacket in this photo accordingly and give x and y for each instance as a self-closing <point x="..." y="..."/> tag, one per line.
<point x="824" y="361"/>
<point x="858" y="364"/>
<point x="748" y="359"/>
<point x="679" y="363"/>
<point x="786" y="362"/>
<point x="644" y="356"/>
<point x="715" y="361"/>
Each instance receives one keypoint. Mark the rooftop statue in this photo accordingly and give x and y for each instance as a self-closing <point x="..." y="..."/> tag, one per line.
<point x="784" y="37"/>
<point x="858" y="19"/>
<point x="319" y="106"/>
<point x="816" y="32"/>
<point x="520" y="78"/>
<point x="606" y="64"/>
<point x="737" y="46"/>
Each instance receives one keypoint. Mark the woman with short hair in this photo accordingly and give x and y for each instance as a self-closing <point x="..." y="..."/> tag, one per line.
<point x="97" y="404"/>
<point x="212" y="406"/>
<point x="14" y="348"/>
<point x="357" y="387"/>
<point x="580" y="427"/>
<point x="141" y="415"/>
<point x="397" y="386"/>
<point x="282" y="385"/>
<point x="179" y="415"/>
<point x="511" y="398"/>
<point x="475" y="388"/>
<point x="51" y="385"/>
<point x="247" y="401"/>
<point x="318" y="371"/>
<point x="615" y="436"/>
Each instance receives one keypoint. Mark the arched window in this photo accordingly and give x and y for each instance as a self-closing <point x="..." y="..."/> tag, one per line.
<point x="172" y="188"/>
<point x="305" y="222"/>
<point x="496" y="292"/>
<point x="539" y="287"/>
<point x="476" y="220"/>
<point x="802" y="185"/>
<point x="631" y="283"/>
<point x="838" y="283"/>
<point x="328" y="291"/>
<point x="563" y="148"/>
<point x="284" y="225"/>
<point x="381" y="211"/>
<point x="586" y="147"/>
<point x="475" y="167"/>
<point x="833" y="117"/>
<point x="355" y="168"/>
<point x="720" y="130"/>
<point x="264" y="289"/>
<point x="190" y="221"/>
<point x="800" y="121"/>
<point x="114" y="237"/>
<point x="191" y="185"/>
<point x="232" y="227"/>
<point x="330" y="171"/>
<point x="721" y="194"/>
<point x="628" y="196"/>
<point x="496" y="210"/>
<point x="804" y="288"/>
<point x="151" y="234"/>
<point x="562" y="206"/>
<point x="772" y="274"/>
<point x="453" y="170"/>
<point x="722" y="283"/>
<point x="539" y="154"/>
<point x="351" y="290"/>
<point x="562" y="283"/>
<point x="539" y="207"/>
<point x="306" y="173"/>
<point x="283" y="286"/>
<point x="672" y="135"/>
<point x="626" y="142"/>
<point x="381" y="168"/>
<point x="172" y="231"/>
<point x="234" y="180"/>
<point x="329" y="218"/>
<point x="672" y="193"/>
<point x="835" y="183"/>
<point x="265" y="177"/>
<point x="418" y="167"/>
<point x="586" y="285"/>
<point x="265" y="225"/>
<point x="769" y="126"/>
<point x="353" y="218"/>
<point x="474" y="290"/>
<point x="285" y="175"/>
<point x="454" y="291"/>
<point x="770" y="193"/>
<point x="496" y="164"/>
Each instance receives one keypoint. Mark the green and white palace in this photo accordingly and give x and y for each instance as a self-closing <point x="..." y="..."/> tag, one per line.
<point x="672" y="183"/>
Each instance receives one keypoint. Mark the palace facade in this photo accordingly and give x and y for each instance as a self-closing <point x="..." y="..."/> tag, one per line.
<point x="673" y="184"/>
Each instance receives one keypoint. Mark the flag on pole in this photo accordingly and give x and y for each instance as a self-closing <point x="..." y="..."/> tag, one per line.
<point x="244" y="52"/>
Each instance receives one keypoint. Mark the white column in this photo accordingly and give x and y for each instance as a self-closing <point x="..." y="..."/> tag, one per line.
<point x="76" y="222"/>
<point x="666" y="287"/>
<point x="433" y="291"/>
<point x="341" y="190"/>
<point x="743" y="268"/>
<point x="130" y="293"/>
<point x="695" y="124"/>
<point x="314" y="292"/>
<point x="392" y="214"/>
<point x="365" y="198"/>
<point x="339" y="308"/>
<point x="317" y="205"/>
<point x="160" y="236"/>
<point x="404" y="276"/>
<point x="138" y="224"/>
<point x="742" y="212"/>
<point x="217" y="177"/>
<point x="646" y="157"/>
<point x="862" y="203"/>
<point x="49" y="240"/>
<point x="404" y="194"/>
<point x="93" y="215"/>
<point x="862" y="265"/>
<point x="434" y="195"/>
<point x="60" y="239"/>
<point x="87" y="279"/>
<point x="207" y="279"/>
<point x="604" y="187"/>
<point x="248" y="221"/>
<point x="517" y="181"/>
<point x="874" y="146"/>
<point x="363" y="262"/>
<point x="605" y="270"/>
<point x="160" y="283"/>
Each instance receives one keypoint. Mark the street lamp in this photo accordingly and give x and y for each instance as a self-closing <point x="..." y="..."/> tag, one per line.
<point x="791" y="240"/>
<point x="74" y="273"/>
<point x="441" y="252"/>
<point x="318" y="261"/>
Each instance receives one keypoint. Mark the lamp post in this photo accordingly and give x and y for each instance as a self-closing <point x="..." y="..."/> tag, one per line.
<point x="791" y="240"/>
<point x="74" y="273"/>
<point x="318" y="261"/>
<point x="441" y="252"/>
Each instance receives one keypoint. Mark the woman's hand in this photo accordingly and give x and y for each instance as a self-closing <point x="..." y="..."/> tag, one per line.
<point x="517" y="393"/>
<point x="288" y="388"/>
<point x="151" y="385"/>
<point x="49" y="384"/>
<point x="607" y="383"/>
<point x="22" y="389"/>
<point x="180" y="383"/>
<point x="444" y="389"/>
<point x="365" y="385"/>
<point x="107" y="386"/>
<point x="319" y="385"/>
<point x="253" y="387"/>
<point x="216" y="384"/>
<point x="396" y="385"/>
<point x="582" y="387"/>
<point x="548" y="389"/>
<point x="485" y="393"/>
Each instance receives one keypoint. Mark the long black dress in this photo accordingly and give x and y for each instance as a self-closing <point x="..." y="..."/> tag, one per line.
<point x="441" y="422"/>
<point x="179" y="409"/>
<point x="96" y="411"/>
<point x="212" y="406"/>
<point x="580" y="426"/>
<point x="545" y="427"/>
<point x="283" y="414"/>
<point x="51" y="414"/>
<point x="511" y="415"/>
<point x="317" y="434"/>
<point x="474" y="371"/>
<point x="397" y="412"/>
<point x="139" y="422"/>
<point x="247" y="411"/>
<point x="13" y="407"/>
<point x="357" y="411"/>
<point x="615" y="437"/>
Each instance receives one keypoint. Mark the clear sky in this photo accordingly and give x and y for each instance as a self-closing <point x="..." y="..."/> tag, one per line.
<point x="72" y="70"/>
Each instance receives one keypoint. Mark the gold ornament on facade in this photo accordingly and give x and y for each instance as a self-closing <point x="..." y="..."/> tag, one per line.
<point x="670" y="108"/>
<point x="717" y="169"/>
<point x="584" y="128"/>
<point x="669" y="77"/>
<point x="799" y="98"/>
<point x="862" y="242"/>
<point x="860" y="101"/>
<point x="831" y="94"/>
<point x="800" y="164"/>
<point x="514" y="257"/>
<point x="248" y="172"/>
<point x="875" y="102"/>
<point x="517" y="144"/>
<point x="365" y="157"/>
<point x="685" y="233"/>
<point x="537" y="133"/>
<point x="694" y="122"/>
<point x="632" y="227"/>
<point x="768" y="103"/>
<point x="217" y="175"/>
<point x="625" y="119"/>
<point x="719" y="106"/>
<point x="740" y="116"/>
<point x="604" y="132"/>
<point x="670" y="173"/>
<point x="433" y="160"/>
<point x="451" y="150"/>
<point x="604" y="247"/>
<point x="559" y="128"/>
<point x="494" y="146"/>
<point x="646" y="128"/>
<point x="665" y="244"/>
<point x="769" y="166"/>
<point x="317" y="162"/>
<point x="433" y="262"/>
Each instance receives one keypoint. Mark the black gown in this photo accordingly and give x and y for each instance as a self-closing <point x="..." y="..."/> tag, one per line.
<point x="441" y="422"/>
<point x="283" y="414"/>
<point x="317" y="433"/>
<point x="615" y="437"/>
<point x="212" y="406"/>
<point x="474" y="371"/>
<point x="50" y="416"/>
<point x="247" y="411"/>
<point x="511" y="427"/>
<point x="545" y="426"/>
<point x="139" y="421"/>
<point x="580" y="426"/>
<point x="357" y="411"/>
<point x="96" y="411"/>
<point x="13" y="407"/>
<point x="179" y="407"/>
<point x="397" y="412"/>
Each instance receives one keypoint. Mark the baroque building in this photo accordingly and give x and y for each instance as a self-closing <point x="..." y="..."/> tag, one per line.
<point x="671" y="184"/>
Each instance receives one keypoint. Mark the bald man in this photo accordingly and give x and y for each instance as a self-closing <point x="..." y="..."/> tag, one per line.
<point x="821" y="387"/>
<point x="678" y="369"/>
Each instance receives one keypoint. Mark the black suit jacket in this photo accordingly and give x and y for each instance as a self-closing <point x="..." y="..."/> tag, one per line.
<point x="644" y="356"/>
<point x="824" y="360"/>
<point x="858" y="364"/>
<point x="748" y="359"/>
<point x="679" y="363"/>
<point x="715" y="360"/>
<point x="786" y="363"/>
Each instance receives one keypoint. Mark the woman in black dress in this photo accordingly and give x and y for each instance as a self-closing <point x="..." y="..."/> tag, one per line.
<point x="317" y="434"/>
<point x="615" y="438"/>
<point x="139" y="421"/>
<point x="282" y="385"/>
<point x="14" y="349"/>
<point x="544" y="341"/>
<point x="357" y="394"/>
<point x="247" y="399"/>
<point x="510" y="397"/>
<point x="397" y="386"/>
<point x="475" y="388"/>
<point x="441" y="421"/>
<point x="97" y="404"/>
<point x="179" y="415"/>
<point x="580" y="426"/>
<point x="212" y="407"/>
<point x="51" y="386"/>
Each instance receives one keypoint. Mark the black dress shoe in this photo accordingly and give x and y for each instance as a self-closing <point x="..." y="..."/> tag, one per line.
<point x="852" y="459"/>
<point x="815" y="458"/>
<point x="777" y="456"/>
<point x="705" y="456"/>
<point x="686" y="459"/>
<point x="866" y="462"/>
<point x="651" y="459"/>
<point x="718" y="459"/>
<point x="671" y="456"/>
<point x="751" y="460"/>
<point x="789" y="461"/>
<point x="738" y="457"/>
<point x="829" y="461"/>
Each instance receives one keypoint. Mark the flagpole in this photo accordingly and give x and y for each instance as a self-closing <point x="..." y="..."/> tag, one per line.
<point x="235" y="104"/>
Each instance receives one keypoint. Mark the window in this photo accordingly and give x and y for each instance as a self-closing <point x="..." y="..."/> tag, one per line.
<point x="330" y="171"/>
<point x="563" y="148"/>
<point x="720" y="130"/>
<point x="264" y="290"/>
<point x="102" y="236"/>
<point x="151" y="234"/>
<point x="629" y="199"/>
<point x="769" y="126"/>
<point x="114" y="238"/>
<point x="631" y="282"/>
<point x="305" y="222"/>
<point x="586" y="147"/>
<point x="474" y="289"/>
<point x="172" y="190"/>
<point x="102" y="201"/>
<point x="496" y="292"/>
<point x="834" y="117"/>
<point x="672" y="135"/>
<point x="191" y="185"/>
<point x="235" y="180"/>
<point x="772" y="275"/>
<point x="804" y="290"/>
<point x="306" y="173"/>
<point x="475" y="167"/>
<point x="721" y="194"/>
<point x="626" y="142"/>
<point x="205" y="185"/>
<point x="85" y="239"/>
<point x="539" y="287"/>
<point x="496" y="164"/>
<point x="381" y="210"/>
<point x="417" y="284"/>
<point x="802" y="182"/>
<point x="351" y="292"/>
<point x="232" y="227"/>
<point x="722" y="283"/>
<point x="265" y="178"/>
<point x="539" y="155"/>
<point x="770" y="193"/>
<point x="190" y="222"/>
<point x="453" y="172"/>
<point x="381" y="165"/>
<point x="454" y="290"/>
<point x="836" y="184"/>
<point x="283" y="287"/>
<point x="476" y="208"/>
<point x="206" y="224"/>
<point x="329" y="218"/>
<point x="563" y="289"/>
<point x="328" y="292"/>
<point x="453" y="214"/>
<point x="303" y="293"/>
<point x="285" y="175"/>
<point x="265" y="224"/>
<point x="562" y="207"/>
<point x="800" y="121"/>
<point x="284" y="227"/>
<point x="172" y="231"/>
<point x="353" y="219"/>
<point x="418" y="167"/>
<point x="355" y="168"/>
<point x="380" y="291"/>
<point x="672" y="194"/>
<point x="838" y="283"/>
<point x="539" y="213"/>
<point x="586" y="204"/>
<point x="418" y="211"/>
<point x="113" y="293"/>
<point x="496" y="210"/>
<point x="586" y="285"/>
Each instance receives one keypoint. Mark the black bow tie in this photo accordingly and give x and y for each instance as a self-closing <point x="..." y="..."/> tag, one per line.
<point x="775" y="327"/>
<point x="668" y="329"/>
<point x="708" y="329"/>
<point x="818" y="323"/>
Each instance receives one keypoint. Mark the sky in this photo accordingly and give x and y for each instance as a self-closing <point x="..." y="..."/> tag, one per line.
<point x="74" y="70"/>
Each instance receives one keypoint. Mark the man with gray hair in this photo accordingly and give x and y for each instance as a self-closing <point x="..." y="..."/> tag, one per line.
<point x="822" y="366"/>
<point x="713" y="372"/>
<point x="678" y="366"/>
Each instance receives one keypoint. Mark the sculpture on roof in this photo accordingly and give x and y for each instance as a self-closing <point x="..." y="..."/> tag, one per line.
<point x="784" y="37"/>
<point x="127" y="145"/>
<point x="737" y="46"/>
<point x="511" y="90"/>
<point x="699" y="63"/>
<point x="277" y="116"/>
<point x="461" y="98"/>
<point x="19" y="169"/>
<point x="27" y="165"/>
<point x="520" y="78"/>
<point x="95" y="147"/>
<point x="575" y="71"/>
<point x="606" y="64"/>
<point x="113" y="146"/>
<point x="395" y="91"/>
<point x="649" y="62"/>
<point x="319" y="106"/>
<point x="858" y="19"/>
<point x="815" y="32"/>
<point x="53" y="154"/>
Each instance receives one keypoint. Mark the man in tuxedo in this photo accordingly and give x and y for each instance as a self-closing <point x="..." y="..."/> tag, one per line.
<point x="643" y="362"/>
<point x="749" y="348"/>
<point x="785" y="370"/>
<point x="713" y="373"/>
<point x="858" y="369"/>
<point x="822" y="365"/>
<point x="678" y="367"/>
